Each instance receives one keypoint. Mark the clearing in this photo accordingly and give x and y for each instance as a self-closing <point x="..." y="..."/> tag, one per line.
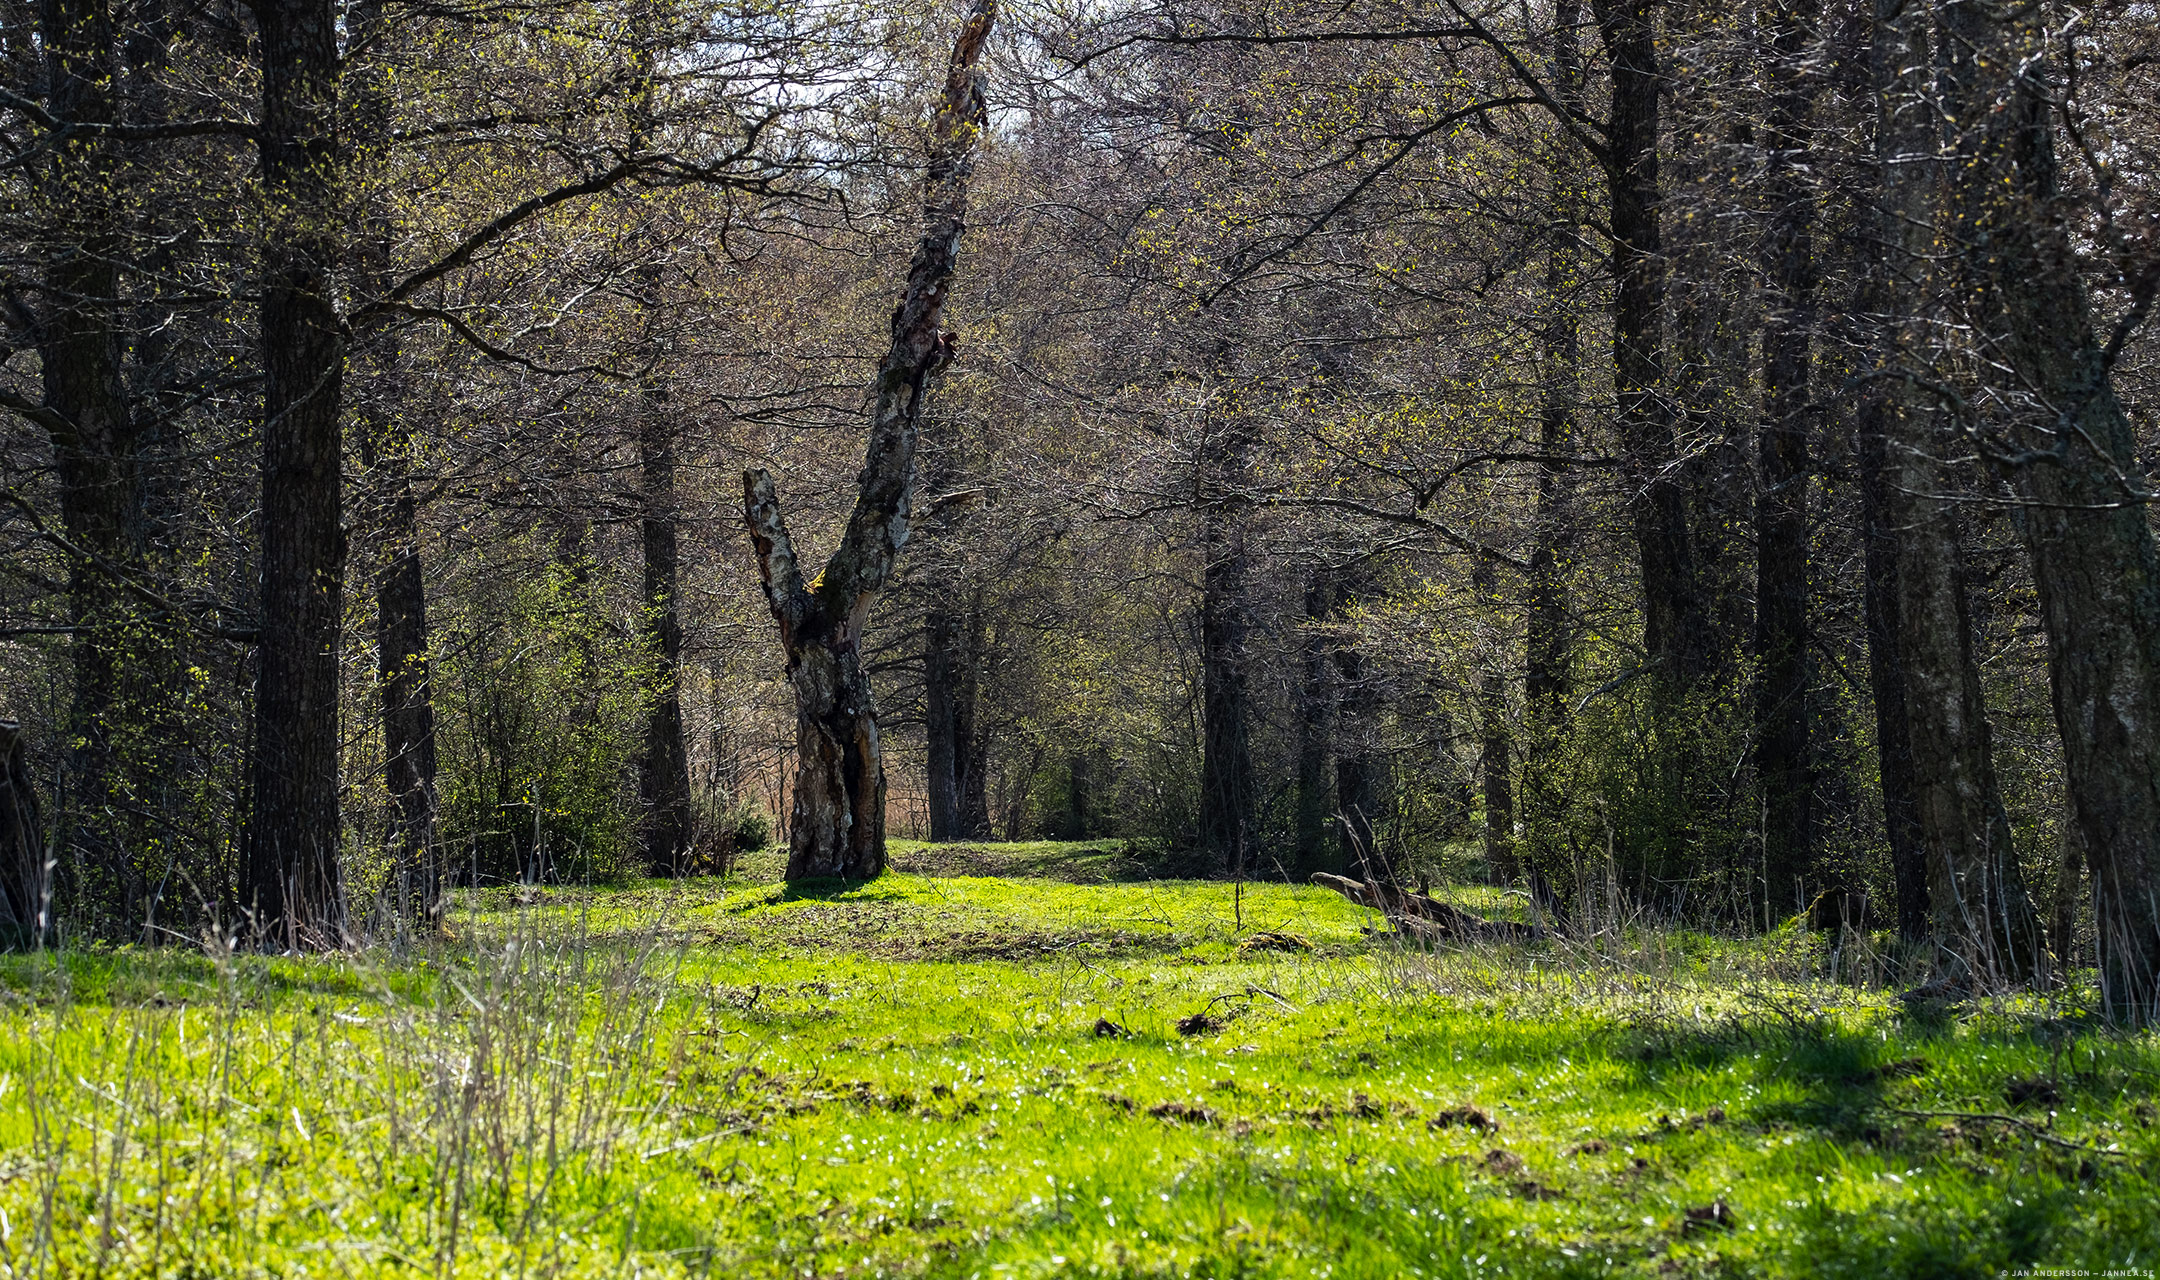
<point x="1048" y="1072"/>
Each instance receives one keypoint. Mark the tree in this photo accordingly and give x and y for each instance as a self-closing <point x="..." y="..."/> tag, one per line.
<point x="838" y="826"/>
<point x="2063" y="444"/>
<point x="290" y="877"/>
<point x="1784" y="756"/>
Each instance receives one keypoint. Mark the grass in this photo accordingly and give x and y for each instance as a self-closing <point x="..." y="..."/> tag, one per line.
<point x="914" y="1077"/>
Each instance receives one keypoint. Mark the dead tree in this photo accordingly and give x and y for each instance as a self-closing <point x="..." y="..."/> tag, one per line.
<point x="838" y="826"/>
<point x="1425" y="918"/>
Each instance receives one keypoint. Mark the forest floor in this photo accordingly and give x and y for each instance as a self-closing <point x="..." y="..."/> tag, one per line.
<point x="1049" y="1072"/>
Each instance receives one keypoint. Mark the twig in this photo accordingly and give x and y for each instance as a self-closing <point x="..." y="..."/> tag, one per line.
<point x="2037" y="1131"/>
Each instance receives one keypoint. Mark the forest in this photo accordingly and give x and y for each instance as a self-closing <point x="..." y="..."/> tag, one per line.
<point x="596" y="569"/>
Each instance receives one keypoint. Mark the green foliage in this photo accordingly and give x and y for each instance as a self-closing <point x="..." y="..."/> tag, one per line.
<point x="543" y="699"/>
<point x="735" y="827"/>
<point x="1639" y="802"/>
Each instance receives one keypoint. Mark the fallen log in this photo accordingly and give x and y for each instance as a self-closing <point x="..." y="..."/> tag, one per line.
<point x="1425" y="918"/>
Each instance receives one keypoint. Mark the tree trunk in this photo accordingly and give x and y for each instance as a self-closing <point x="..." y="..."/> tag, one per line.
<point x="1548" y="633"/>
<point x="1886" y="673"/>
<point x="2065" y="900"/>
<point x="1676" y="630"/>
<point x="838" y="823"/>
<point x="2071" y="455"/>
<point x="97" y="444"/>
<point x="1981" y="914"/>
<point x="404" y="677"/>
<point x="289" y="867"/>
<point x="1315" y="723"/>
<point x="1784" y="755"/>
<point x="1360" y="796"/>
<point x="1226" y="791"/>
<point x="25" y="879"/>
<point x="1982" y="919"/>
<point x="1083" y="778"/>
<point x="952" y="654"/>
<point x="1496" y="746"/>
<point x="1902" y="208"/>
<point x="664" y="761"/>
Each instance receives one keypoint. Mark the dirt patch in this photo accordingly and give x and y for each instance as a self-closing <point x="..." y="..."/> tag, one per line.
<point x="904" y="931"/>
<point x="1105" y="863"/>
<point x="1465" y="1116"/>
<point x="1187" y="1112"/>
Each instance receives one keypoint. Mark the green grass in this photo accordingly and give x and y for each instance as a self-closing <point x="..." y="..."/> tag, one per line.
<point x="905" y="1078"/>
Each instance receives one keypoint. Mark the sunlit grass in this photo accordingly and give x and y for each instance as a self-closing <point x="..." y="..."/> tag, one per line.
<point x="959" y="1076"/>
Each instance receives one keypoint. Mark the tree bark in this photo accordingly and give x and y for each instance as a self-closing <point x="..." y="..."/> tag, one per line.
<point x="1886" y="675"/>
<point x="1884" y="302"/>
<point x="1676" y="630"/>
<point x="1315" y="724"/>
<point x="1981" y="916"/>
<point x="25" y="878"/>
<point x="1548" y="632"/>
<point x="838" y="823"/>
<point x="1784" y="755"/>
<point x="405" y="700"/>
<point x="2070" y="454"/>
<point x="1360" y="795"/>
<point x="1226" y="775"/>
<point x="1496" y="745"/>
<point x="952" y="656"/>
<point x="97" y="443"/>
<point x="290" y="878"/>
<point x="664" y="760"/>
<point x="1981" y="913"/>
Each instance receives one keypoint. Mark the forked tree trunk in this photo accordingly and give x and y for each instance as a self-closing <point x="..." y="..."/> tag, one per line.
<point x="289" y="876"/>
<point x="838" y="823"/>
